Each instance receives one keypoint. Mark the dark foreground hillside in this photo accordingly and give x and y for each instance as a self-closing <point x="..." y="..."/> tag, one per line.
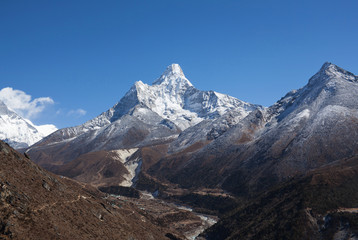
<point x="321" y="205"/>
<point x="35" y="204"/>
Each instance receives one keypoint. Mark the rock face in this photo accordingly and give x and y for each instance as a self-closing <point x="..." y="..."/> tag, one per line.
<point x="20" y="132"/>
<point x="36" y="204"/>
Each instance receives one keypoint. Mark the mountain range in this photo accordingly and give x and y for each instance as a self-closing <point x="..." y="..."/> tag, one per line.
<point x="145" y="116"/>
<point x="222" y="156"/>
<point x="204" y="131"/>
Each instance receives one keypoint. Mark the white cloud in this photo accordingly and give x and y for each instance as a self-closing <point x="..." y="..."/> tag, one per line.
<point x="77" y="113"/>
<point x="22" y="103"/>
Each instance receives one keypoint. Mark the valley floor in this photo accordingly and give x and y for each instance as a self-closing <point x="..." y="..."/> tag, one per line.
<point x="178" y="218"/>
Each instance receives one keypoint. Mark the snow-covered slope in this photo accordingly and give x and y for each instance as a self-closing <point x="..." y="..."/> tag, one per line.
<point x="20" y="132"/>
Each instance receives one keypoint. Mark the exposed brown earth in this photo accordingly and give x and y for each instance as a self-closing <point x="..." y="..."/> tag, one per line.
<point x="97" y="168"/>
<point x="104" y="169"/>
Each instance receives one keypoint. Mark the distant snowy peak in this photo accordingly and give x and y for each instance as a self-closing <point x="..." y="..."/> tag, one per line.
<point x="330" y="86"/>
<point x="20" y="132"/>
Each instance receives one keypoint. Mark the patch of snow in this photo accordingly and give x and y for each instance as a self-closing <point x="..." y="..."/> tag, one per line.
<point x="303" y="114"/>
<point x="133" y="167"/>
<point x="123" y="155"/>
<point x="146" y="195"/>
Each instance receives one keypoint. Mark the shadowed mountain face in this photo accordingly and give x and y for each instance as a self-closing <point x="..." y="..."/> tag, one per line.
<point x="35" y="204"/>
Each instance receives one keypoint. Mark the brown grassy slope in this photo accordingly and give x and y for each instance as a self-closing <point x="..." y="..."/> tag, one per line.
<point x="35" y="204"/>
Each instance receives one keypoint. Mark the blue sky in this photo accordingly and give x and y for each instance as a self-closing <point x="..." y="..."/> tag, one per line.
<point x="84" y="55"/>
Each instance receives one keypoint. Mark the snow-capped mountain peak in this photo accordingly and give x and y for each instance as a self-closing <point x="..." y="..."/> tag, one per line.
<point x="331" y="72"/>
<point x="174" y="69"/>
<point x="337" y="72"/>
<point x="173" y="77"/>
<point x="174" y="98"/>
<point x="18" y="131"/>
